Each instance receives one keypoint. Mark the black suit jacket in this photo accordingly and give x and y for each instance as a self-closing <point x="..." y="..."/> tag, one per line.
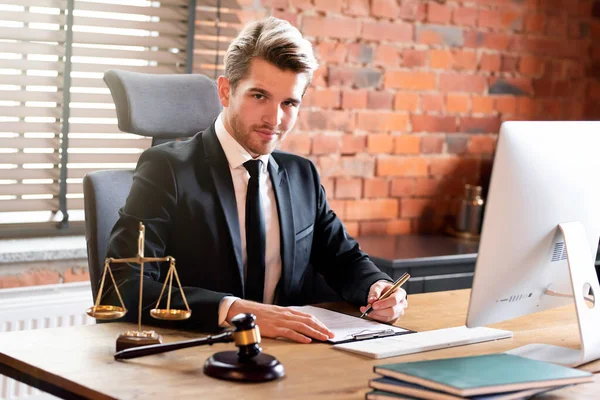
<point x="183" y="193"/>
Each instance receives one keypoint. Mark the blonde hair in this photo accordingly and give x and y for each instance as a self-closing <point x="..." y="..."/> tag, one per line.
<point x="275" y="41"/>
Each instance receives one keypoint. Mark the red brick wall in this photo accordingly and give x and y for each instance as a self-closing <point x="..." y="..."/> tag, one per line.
<point x="43" y="274"/>
<point x="407" y="103"/>
<point x="409" y="97"/>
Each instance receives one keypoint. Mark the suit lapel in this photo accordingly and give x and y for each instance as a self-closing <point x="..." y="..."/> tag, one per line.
<point x="286" y="223"/>
<point x="221" y="175"/>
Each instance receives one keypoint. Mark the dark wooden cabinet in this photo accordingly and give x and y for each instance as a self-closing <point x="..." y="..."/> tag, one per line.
<point x="435" y="263"/>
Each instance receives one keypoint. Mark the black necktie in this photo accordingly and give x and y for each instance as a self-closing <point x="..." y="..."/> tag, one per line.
<point x="255" y="235"/>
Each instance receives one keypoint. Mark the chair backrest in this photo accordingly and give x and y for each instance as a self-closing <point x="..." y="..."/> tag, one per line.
<point x="164" y="107"/>
<point x="167" y="106"/>
<point x="104" y="194"/>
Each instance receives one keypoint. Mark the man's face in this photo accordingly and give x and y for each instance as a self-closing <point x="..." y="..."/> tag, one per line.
<point x="264" y="106"/>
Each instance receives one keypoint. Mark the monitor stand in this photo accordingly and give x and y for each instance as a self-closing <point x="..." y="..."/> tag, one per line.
<point x="583" y="278"/>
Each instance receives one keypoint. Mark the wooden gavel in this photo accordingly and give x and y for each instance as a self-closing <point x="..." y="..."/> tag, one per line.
<point x="248" y="364"/>
<point x="246" y="337"/>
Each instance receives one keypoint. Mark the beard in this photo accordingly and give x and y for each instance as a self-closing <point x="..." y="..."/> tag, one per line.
<point x="250" y="140"/>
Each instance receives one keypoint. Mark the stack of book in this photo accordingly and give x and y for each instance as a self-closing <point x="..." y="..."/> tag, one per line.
<point x="492" y="376"/>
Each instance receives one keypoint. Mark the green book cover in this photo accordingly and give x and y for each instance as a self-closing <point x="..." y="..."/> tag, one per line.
<point x="383" y="395"/>
<point x="492" y="373"/>
<point x="386" y="386"/>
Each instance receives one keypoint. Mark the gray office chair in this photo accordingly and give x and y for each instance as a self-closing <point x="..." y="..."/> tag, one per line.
<point x="164" y="107"/>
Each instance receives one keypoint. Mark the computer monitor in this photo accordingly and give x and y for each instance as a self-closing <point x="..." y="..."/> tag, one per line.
<point x="540" y="232"/>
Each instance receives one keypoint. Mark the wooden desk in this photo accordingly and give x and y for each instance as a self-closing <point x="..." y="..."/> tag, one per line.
<point x="78" y="362"/>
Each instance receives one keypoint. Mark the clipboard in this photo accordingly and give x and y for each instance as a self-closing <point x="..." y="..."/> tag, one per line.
<point x="372" y="334"/>
<point x="348" y="328"/>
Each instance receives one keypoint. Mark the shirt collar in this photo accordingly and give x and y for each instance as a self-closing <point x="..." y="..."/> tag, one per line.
<point x="234" y="152"/>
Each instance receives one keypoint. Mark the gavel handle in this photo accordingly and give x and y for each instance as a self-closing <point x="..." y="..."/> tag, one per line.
<point x="163" y="348"/>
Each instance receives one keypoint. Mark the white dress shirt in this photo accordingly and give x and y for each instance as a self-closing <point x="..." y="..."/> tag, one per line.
<point x="237" y="156"/>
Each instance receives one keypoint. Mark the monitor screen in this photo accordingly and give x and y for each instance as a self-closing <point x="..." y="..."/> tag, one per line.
<point x="544" y="174"/>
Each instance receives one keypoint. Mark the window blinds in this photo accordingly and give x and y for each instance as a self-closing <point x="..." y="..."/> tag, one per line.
<point x="136" y="35"/>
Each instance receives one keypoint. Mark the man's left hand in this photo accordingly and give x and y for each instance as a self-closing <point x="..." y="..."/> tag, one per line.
<point x="387" y="310"/>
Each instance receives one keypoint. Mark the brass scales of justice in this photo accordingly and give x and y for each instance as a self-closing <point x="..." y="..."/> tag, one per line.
<point x="247" y="364"/>
<point x="108" y="312"/>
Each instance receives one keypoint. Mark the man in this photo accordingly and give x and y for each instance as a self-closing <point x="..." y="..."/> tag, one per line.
<point x="242" y="220"/>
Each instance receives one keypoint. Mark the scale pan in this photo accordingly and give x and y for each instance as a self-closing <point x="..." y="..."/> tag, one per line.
<point x="171" y="315"/>
<point x="106" y="312"/>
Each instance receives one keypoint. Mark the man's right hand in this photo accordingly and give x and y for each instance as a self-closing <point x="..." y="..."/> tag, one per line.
<point x="282" y="322"/>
